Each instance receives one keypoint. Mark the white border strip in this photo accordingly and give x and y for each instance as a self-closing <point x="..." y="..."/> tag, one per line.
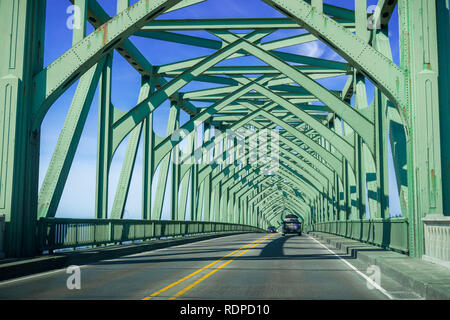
<point x="373" y="283"/>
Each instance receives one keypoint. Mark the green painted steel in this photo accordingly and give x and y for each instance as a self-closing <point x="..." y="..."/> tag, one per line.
<point x="325" y="159"/>
<point x="386" y="233"/>
<point x="60" y="233"/>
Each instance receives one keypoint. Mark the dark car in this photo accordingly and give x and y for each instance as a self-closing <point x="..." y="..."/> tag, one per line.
<point x="271" y="229"/>
<point x="291" y="224"/>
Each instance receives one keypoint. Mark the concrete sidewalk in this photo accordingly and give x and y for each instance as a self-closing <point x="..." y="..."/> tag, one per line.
<point x="430" y="280"/>
<point x="14" y="268"/>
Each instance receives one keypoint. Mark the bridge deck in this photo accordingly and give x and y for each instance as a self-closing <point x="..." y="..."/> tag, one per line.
<point x="244" y="266"/>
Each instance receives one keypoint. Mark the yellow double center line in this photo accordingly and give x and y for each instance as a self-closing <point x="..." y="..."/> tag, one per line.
<point x="251" y="244"/>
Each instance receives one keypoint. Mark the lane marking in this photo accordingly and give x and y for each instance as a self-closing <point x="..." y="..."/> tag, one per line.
<point x="215" y="270"/>
<point x="373" y="283"/>
<point x="201" y="269"/>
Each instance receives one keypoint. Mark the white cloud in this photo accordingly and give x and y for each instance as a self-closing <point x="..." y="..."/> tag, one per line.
<point x="317" y="49"/>
<point x="334" y="56"/>
<point x="312" y="49"/>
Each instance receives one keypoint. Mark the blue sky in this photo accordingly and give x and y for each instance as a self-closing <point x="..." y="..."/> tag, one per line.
<point x="79" y="195"/>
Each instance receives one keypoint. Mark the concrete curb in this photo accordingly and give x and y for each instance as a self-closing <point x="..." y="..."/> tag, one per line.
<point x="430" y="280"/>
<point x="24" y="267"/>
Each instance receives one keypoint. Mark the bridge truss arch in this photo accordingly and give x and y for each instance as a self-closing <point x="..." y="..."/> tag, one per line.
<point x="261" y="139"/>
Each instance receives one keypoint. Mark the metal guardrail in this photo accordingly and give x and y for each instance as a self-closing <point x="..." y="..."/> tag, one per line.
<point x="390" y="233"/>
<point x="60" y="233"/>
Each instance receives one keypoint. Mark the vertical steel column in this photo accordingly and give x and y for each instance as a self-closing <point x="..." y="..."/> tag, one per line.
<point x="327" y="192"/>
<point x="236" y="206"/>
<point x="217" y="202"/>
<point x="381" y="152"/>
<point x="361" y="20"/>
<point x="202" y="195"/>
<point x="360" y="103"/>
<point x="329" y="201"/>
<point x="249" y="208"/>
<point x="193" y="189"/>
<point x="129" y="160"/>
<point x="361" y="150"/>
<point x="381" y="155"/>
<point x="217" y="187"/>
<point x="443" y="43"/>
<point x="104" y="147"/>
<point x="335" y="182"/>
<point x="322" y="198"/>
<point x="232" y="195"/>
<point x="345" y="212"/>
<point x="352" y="179"/>
<point x="207" y="181"/>
<point x="172" y="123"/>
<point x="80" y="20"/>
<point x="322" y="213"/>
<point x="22" y="46"/>
<point x="337" y="196"/>
<point x="148" y="158"/>
<point x="223" y="190"/>
<point x="175" y="178"/>
<point x="224" y="204"/>
<point x="419" y="56"/>
<point x="184" y="187"/>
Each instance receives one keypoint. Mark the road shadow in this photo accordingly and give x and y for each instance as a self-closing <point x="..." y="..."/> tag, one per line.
<point x="274" y="248"/>
<point x="271" y="250"/>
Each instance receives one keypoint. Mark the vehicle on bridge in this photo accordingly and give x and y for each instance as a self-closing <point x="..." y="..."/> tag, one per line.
<point x="272" y="229"/>
<point x="291" y="224"/>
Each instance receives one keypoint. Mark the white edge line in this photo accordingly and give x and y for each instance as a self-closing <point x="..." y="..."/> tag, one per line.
<point x="373" y="283"/>
<point x="42" y="274"/>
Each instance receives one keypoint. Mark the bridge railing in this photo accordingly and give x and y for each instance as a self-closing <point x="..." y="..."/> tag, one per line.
<point x="60" y="233"/>
<point x="388" y="233"/>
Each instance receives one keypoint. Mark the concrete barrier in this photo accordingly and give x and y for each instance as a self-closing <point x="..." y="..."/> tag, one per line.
<point x="437" y="239"/>
<point x="430" y="280"/>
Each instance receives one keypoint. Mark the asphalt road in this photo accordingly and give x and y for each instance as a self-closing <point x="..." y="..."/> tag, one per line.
<point x="245" y="266"/>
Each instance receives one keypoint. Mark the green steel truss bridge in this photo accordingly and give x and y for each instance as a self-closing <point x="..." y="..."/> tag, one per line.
<point x="262" y="141"/>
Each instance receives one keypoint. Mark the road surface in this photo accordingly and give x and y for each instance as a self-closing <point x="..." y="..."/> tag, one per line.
<point x="245" y="266"/>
